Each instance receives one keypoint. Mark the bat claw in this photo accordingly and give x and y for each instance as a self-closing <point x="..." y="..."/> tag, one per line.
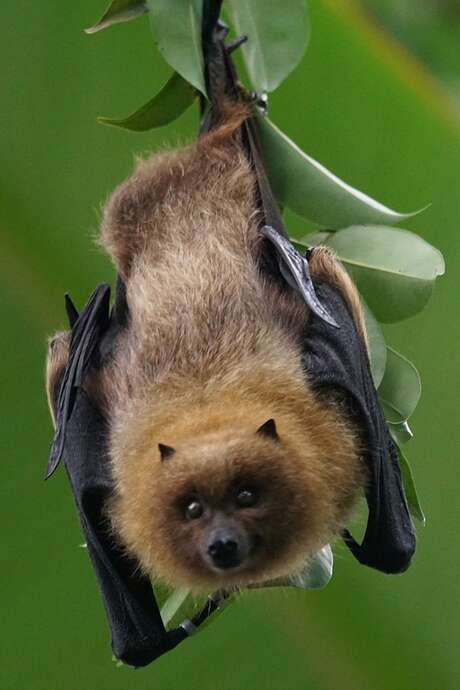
<point x="222" y="28"/>
<point x="295" y="270"/>
<point x="236" y="43"/>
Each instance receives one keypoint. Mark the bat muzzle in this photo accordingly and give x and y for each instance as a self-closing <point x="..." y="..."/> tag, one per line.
<point x="226" y="549"/>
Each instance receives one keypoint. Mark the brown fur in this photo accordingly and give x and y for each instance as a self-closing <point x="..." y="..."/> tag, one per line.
<point x="212" y="350"/>
<point x="58" y="353"/>
<point x="325" y="267"/>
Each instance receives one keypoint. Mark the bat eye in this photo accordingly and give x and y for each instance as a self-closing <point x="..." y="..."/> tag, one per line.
<point x="194" y="510"/>
<point x="246" y="497"/>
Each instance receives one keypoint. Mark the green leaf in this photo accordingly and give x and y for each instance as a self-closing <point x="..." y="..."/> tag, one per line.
<point x="410" y="490"/>
<point x="377" y="347"/>
<point x="317" y="572"/>
<point x="231" y="598"/>
<point x="312" y="191"/>
<point x="173" y="604"/>
<point x="395" y="270"/>
<point x="400" y="389"/>
<point x="119" y="11"/>
<point x="175" y="97"/>
<point x="314" y="239"/>
<point x="117" y="662"/>
<point x="401" y="433"/>
<point x="178" y="605"/>
<point x="176" y="24"/>
<point x="278" y="34"/>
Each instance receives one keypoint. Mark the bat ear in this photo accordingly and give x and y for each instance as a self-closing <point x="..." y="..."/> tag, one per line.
<point x="336" y="360"/>
<point x="165" y="451"/>
<point x="268" y="429"/>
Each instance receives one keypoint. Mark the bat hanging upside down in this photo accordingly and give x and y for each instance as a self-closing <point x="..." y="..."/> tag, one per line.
<point x="234" y="453"/>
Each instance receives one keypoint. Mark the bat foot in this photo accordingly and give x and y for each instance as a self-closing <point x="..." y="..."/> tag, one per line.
<point x="235" y="44"/>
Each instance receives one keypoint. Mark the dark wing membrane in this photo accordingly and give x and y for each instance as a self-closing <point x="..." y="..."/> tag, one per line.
<point x="86" y="333"/>
<point x="337" y="359"/>
<point x="138" y="634"/>
<point x="71" y="310"/>
<point x="137" y="631"/>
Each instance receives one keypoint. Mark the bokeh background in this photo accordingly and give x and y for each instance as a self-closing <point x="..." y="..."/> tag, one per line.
<point x="377" y="100"/>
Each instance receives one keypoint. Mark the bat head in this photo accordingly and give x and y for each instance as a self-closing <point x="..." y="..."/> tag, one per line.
<point x="234" y="507"/>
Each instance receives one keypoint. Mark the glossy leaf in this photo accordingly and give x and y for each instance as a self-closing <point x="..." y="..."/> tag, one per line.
<point x="401" y="433"/>
<point x="179" y="605"/>
<point x="312" y="191"/>
<point x="317" y="572"/>
<point x="175" y="97"/>
<point x="278" y="34"/>
<point x="315" y="238"/>
<point x="410" y="490"/>
<point x="176" y="25"/>
<point x="173" y="604"/>
<point x="377" y="347"/>
<point x="400" y="389"/>
<point x="395" y="270"/>
<point x="119" y="11"/>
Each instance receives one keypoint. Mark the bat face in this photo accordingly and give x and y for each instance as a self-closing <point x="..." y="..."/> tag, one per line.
<point x="227" y="510"/>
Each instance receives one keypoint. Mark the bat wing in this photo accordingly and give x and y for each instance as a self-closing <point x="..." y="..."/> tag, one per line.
<point x="335" y="358"/>
<point x="86" y="331"/>
<point x="138" y="634"/>
<point x="137" y="630"/>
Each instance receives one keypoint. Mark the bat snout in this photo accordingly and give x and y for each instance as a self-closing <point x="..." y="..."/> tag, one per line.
<point x="226" y="548"/>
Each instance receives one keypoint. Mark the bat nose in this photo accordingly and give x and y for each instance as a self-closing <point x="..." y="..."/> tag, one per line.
<point x="224" y="550"/>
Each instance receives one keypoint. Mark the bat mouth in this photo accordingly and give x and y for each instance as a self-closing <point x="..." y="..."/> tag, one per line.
<point x="224" y="564"/>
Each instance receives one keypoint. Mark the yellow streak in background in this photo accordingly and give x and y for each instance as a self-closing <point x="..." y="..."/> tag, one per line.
<point x="387" y="50"/>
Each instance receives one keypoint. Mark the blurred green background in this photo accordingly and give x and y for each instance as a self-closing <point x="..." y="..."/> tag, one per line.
<point x="376" y="100"/>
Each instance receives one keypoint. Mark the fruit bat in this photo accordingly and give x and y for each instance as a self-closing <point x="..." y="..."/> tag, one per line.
<point x="217" y="322"/>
